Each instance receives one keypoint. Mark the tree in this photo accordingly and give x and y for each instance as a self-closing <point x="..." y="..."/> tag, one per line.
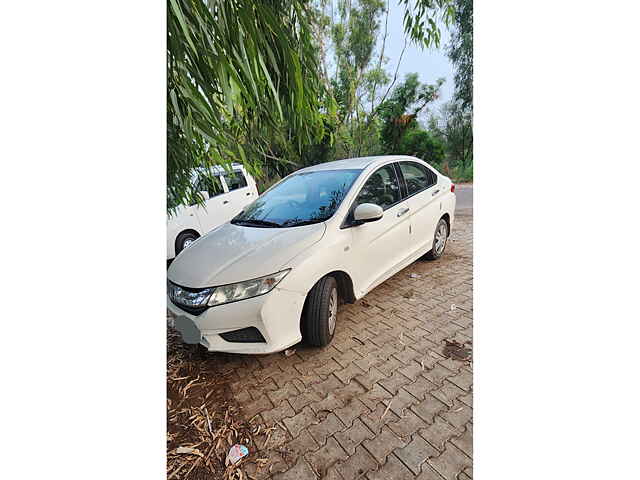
<point x="420" y="143"/>
<point x="400" y="111"/>
<point x="241" y="77"/>
<point x="460" y="52"/>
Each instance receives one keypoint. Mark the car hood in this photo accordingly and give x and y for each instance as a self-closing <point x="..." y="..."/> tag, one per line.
<point x="233" y="253"/>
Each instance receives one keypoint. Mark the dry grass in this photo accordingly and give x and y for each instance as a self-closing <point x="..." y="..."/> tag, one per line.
<point x="202" y="420"/>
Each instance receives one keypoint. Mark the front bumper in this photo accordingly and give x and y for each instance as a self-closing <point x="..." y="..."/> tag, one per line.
<point x="276" y="315"/>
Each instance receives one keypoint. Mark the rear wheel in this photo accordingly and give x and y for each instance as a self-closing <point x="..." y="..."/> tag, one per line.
<point x="439" y="240"/>
<point x="321" y="313"/>
<point x="184" y="240"/>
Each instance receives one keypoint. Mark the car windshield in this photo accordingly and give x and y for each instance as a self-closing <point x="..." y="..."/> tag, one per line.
<point x="301" y="199"/>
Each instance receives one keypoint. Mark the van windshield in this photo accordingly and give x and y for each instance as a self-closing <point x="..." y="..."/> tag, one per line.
<point x="301" y="199"/>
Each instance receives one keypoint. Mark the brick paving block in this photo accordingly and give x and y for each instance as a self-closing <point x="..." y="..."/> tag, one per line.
<point x="304" y="399"/>
<point x="300" y="421"/>
<point x="394" y="469"/>
<point x="256" y="391"/>
<point x="408" y="424"/>
<point x="254" y="407"/>
<point x="406" y="355"/>
<point x="366" y="362"/>
<point x="439" y="432"/>
<point x="437" y="374"/>
<point x="282" y="394"/>
<point x="465" y="441"/>
<point x="326" y="428"/>
<point x="386" y="353"/>
<point x="347" y="357"/>
<point x="393" y="383"/>
<point x="416" y="453"/>
<point x="348" y="392"/>
<point x="302" y="444"/>
<point x="401" y="401"/>
<point x="467" y="399"/>
<point x="374" y="396"/>
<point x="357" y="465"/>
<point x="329" y="403"/>
<point x="390" y="365"/>
<point x="428" y="473"/>
<point x="383" y="444"/>
<point x="450" y="463"/>
<point x="462" y="379"/>
<point x="353" y="409"/>
<point x="412" y="370"/>
<point x="458" y="415"/>
<point x="428" y="408"/>
<point x="350" y="438"/>
<point x="447" y="393"/>
<point x="328" y="367"/>
<point x="326" y="456"/>
<point x="346" y="374"/>
<point x="301" y="471"/>
<point x="369" y="379"/>
<point x="327" y="386"/>
<point x="451" y="364"/>
<point x="284" y="377"/>
<point x="283" y="410"/>
<point x="420" y="388"/>
<point x="367" y="348"/>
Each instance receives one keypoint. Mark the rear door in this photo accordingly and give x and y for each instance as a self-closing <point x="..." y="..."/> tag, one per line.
<point x="241" y="192"/>
<point x="424" y="199"/>
<point x="379" y="247"/>
<point x="212" y="213"/>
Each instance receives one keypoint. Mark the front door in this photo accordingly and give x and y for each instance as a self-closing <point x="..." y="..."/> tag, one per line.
<point x="379" y="247"/>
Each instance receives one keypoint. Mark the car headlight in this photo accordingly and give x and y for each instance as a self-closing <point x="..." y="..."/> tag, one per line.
<point x="244" y="290"/>
<point x="203" y="297"/>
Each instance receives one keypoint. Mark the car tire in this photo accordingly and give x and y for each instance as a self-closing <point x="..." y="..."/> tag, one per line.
<point x="320" y="313"/>
<point x="439" y="240"/>
<point x="184" y="240"/>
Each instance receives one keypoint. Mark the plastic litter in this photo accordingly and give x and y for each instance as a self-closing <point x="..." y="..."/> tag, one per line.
<point x="289" y="351"/>
<point x="453" y="307"/>
<point x="415" y="275"/>
<point x="236" y="453"/>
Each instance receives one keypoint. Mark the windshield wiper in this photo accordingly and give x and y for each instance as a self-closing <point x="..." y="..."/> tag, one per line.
<point x="254" y="222"/>
<point x="303" y="222"/>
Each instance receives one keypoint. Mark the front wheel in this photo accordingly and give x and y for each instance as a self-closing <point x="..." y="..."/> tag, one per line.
<point x="321" y="313"/>
<point x="439" y="240"/>
<point x="184" y="240"/>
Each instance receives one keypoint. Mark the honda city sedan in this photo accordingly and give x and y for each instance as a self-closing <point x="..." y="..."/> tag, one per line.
<point x="275" y="274"/>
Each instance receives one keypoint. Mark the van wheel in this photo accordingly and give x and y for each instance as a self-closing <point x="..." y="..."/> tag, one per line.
<point x="184" y="240"/>
<point x="321" y="313"/>
<point x="439" y="240"/>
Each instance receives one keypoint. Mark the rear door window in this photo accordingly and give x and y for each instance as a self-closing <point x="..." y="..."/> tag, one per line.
<point x="417" y="177"/>
<point x="235" y="180"/>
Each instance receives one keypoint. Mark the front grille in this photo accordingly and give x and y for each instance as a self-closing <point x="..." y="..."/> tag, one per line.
<point x="245" y="335"/>
<point x="191" y="310"/>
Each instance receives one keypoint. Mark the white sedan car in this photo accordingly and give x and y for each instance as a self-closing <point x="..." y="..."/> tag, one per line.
<point x="274" y="274"/>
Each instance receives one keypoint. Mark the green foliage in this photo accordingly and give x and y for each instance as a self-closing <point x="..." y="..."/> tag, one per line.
<point x="241" y="77"/>
<point x="400" y="111"/>
<point x="420" y="143"/>
<point x="460" y="52"/>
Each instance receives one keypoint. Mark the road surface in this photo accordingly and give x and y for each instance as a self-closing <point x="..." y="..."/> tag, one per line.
<point x="464" y="199"/>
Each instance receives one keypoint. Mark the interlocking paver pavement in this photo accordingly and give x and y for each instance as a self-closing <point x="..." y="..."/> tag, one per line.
<point x="382" y="401"/>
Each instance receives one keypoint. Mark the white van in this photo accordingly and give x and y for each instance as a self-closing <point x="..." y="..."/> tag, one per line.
<point x="188" y="223"/>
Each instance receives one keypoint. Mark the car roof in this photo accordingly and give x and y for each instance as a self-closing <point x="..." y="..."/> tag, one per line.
<point x="359" y="163"/>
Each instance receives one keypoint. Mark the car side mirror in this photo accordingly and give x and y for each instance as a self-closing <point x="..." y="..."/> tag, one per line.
<point x="367" y="212"/>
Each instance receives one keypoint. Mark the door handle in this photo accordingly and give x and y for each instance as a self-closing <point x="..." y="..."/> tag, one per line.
<point x="225" y="202"/>
<point x="248" y="193"/>
<point x="435" y="193"/>
<point x="402" y="212"/>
